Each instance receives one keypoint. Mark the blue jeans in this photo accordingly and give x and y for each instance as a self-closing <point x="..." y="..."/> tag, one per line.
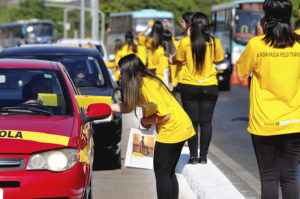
<point x="278" y="160"/>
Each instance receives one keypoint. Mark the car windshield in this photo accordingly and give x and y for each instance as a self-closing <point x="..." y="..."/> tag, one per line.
<point x="32" y="91"/>
<point x="85" y="70"/>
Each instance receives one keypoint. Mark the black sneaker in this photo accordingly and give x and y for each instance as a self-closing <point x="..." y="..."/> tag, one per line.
<point x="203" y="160"/>
<point x="192" y="160"/>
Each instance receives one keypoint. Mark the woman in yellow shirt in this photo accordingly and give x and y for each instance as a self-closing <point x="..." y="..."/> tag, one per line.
<point x="157" y="61"/>
<point x="199" y="90"/>
<point x="178" y="69"/>
<point x="274" y="115"/>
<point x="131" y="47"/>
<point x="173" y="125"/>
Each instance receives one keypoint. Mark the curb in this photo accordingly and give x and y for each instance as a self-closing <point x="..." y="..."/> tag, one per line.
<point x="206" y="181"/>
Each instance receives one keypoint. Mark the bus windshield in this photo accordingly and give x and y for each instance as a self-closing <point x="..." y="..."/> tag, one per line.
<point x="40" y="29"/>
<point x="245" y="26"/>
<point x="246" y="21"/>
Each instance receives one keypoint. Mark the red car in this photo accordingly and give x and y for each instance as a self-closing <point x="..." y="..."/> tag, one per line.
<point x="46" y="142"/>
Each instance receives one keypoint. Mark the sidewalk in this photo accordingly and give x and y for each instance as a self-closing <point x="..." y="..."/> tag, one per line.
<point x="206" y="180"/>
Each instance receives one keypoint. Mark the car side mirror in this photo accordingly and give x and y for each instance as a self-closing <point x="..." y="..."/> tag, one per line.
<point x="97" y="111"/>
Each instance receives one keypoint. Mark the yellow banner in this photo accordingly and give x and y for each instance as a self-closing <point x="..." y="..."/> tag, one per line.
<point x="34" y="136"/>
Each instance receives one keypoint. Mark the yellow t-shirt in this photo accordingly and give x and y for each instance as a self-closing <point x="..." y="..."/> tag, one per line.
<point x="179" y="127"/>
<point x="175" y="69"/>
<point x="156" y="57"/>
<point x="142" y="52"/>
<point x="275" y="87"/>
<point x="127" y="50"/>
<point x="118" y="56"/>
<point x="178" y="69"/>
<point x="208" y="75"/>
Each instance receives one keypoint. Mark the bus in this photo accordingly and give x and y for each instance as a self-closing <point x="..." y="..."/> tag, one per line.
<point x="235" y="24"/>
<point x="26" y="32"/>
<point x="135" y="21"/>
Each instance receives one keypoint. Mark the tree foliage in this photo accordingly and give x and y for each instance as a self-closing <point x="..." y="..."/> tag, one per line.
<point x="29" y="9"/>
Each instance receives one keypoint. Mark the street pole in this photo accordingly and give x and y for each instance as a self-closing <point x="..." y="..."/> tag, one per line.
<point x="95" y="19"/>
<point x="65" y="21"/>
<point x="102" y="25"/>
<point x="82" y="19"/>
<point x="72" y="7"/>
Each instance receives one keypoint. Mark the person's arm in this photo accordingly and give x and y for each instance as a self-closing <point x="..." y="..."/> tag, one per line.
<point x="260" y="27"/>
<point x="120" y="108"/>
<point x="32" y="101"/>
<point x="218" y="52"/>
<point x="172" y="60"/>
<point x="168" y="27"/>
<point x="147" y="122"/>
<point x="143" y="32"/>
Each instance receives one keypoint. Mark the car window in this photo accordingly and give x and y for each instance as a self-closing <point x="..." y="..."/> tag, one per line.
<point x="100" y="49"/>
<point x="27" y="86"/>
<point x="86" y="71"/>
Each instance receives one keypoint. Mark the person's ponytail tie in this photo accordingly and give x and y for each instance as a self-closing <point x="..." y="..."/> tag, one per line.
<point x="194" y="25"/>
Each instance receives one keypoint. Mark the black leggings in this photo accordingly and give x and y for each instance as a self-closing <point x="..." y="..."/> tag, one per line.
<point x="278" y="160"/>
<point x="166" y="157"/>
<point x="199" y="103"/>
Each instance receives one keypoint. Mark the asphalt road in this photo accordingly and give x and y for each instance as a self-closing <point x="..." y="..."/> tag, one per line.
<point x="231" y="149"/>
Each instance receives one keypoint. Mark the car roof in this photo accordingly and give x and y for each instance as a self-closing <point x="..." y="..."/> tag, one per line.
<point x="26" y="63"/>
<point x="48" y="49"/>
<point x="80" y="41"/>
<point x="86" y="43"/>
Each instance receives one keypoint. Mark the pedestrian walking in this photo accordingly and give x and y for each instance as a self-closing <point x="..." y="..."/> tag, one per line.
<point x="274" y="115"/>
<point x="178" y="69"/>
<point x="131" y="47"/>
<point x="199" y="84"/>
<point x="157" y="61"/>
<point x="117" y="49"/>
<point x="174" y="127"/>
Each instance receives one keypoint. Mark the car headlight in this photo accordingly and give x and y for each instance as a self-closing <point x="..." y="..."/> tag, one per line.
<point x="222" y="66"/>
<point x="56" y="160"/>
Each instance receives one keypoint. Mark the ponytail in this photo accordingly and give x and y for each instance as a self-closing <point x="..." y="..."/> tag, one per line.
<point x="199" y="38"/>
<point x="130" y="42"/>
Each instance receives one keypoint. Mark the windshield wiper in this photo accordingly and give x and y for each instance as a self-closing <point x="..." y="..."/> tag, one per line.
<point x="27" y="110"/>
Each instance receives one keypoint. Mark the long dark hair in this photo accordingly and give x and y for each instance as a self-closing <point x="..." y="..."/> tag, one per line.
<point x="118" y="45"/>
<point x="130" y="42"/>
<point x="199" y="38"/>
<point x="132" y="72"/>
<point x="279" y="32"/>
<point x="187" y="17"/>
<point x="157" y="34"/>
